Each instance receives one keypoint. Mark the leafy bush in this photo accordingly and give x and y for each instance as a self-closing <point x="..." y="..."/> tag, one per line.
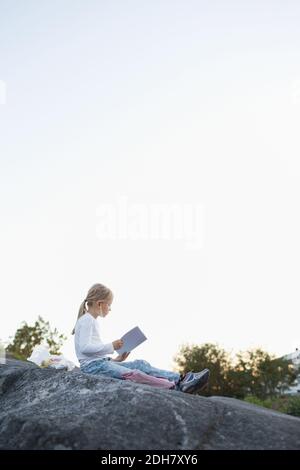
<point x="293" y="407"/>
<point x="285" y="404"/>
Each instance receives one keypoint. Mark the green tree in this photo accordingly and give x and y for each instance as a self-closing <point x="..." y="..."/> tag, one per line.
<point x="26" y="337"/>
<point x="254" y="372"/>
<point x="264" y="375"/>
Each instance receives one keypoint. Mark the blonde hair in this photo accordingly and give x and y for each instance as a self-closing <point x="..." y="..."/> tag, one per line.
<point x="96" y="292"/>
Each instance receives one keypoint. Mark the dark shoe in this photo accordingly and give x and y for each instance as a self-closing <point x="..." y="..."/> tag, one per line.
<point x="187" y="376"/>
<point x="183" y="378"/>
<point x="194" y="383"/>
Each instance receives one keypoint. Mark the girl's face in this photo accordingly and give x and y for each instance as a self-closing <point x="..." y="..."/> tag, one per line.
<point x="104" y="308"/>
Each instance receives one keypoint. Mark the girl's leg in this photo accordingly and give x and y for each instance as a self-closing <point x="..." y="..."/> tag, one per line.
<point x="142" y="378"/>
<point x="105" y="367"/>
<point x="113" y="369"/>
<point x="144" y="366"/>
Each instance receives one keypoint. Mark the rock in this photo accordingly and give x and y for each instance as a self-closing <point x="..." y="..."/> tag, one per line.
<point x="54" y="409"/>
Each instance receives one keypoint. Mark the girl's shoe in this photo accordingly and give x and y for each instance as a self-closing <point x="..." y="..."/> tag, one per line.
<point x="190" y="375"/>
<point x="194" y="382"/>
<point x="199" y="374"/>
<point x="185" y="377"/>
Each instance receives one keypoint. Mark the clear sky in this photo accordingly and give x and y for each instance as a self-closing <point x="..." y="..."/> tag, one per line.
<point x="136" y="104"/>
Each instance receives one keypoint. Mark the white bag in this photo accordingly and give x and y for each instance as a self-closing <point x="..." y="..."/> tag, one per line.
<point x="41" y="356"/>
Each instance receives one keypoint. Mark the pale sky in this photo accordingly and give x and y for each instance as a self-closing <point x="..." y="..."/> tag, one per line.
<point x="188" y="103"/>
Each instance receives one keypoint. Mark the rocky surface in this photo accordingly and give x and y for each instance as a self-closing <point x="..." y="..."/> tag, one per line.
<point x="53" y="409"/>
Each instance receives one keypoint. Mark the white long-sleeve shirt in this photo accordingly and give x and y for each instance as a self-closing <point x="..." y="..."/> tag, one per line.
<point x="88" y="344"/>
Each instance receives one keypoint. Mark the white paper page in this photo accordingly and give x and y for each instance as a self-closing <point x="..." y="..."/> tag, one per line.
<point x="131" y="340"/>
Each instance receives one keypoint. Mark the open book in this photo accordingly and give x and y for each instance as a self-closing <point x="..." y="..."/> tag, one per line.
<point x="132" y="339"/>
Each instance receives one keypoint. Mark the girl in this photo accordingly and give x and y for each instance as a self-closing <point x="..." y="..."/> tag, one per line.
<point x="93" y="357"/>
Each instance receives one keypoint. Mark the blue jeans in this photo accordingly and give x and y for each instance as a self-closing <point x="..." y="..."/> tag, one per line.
<point x="105" y="366"/>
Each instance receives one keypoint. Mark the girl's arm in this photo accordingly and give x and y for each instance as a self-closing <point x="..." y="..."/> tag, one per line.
<point x="87" y="346"/>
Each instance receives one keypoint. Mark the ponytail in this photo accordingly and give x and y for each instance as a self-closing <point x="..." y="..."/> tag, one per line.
<point x="80" y="313"/>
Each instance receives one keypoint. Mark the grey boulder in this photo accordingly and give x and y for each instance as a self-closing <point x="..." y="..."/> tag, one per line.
<point x="54" y="409"/>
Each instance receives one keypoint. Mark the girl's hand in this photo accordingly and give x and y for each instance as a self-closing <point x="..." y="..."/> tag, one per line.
<point x="117" y="344"/>
<point x="122" y="357"/>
